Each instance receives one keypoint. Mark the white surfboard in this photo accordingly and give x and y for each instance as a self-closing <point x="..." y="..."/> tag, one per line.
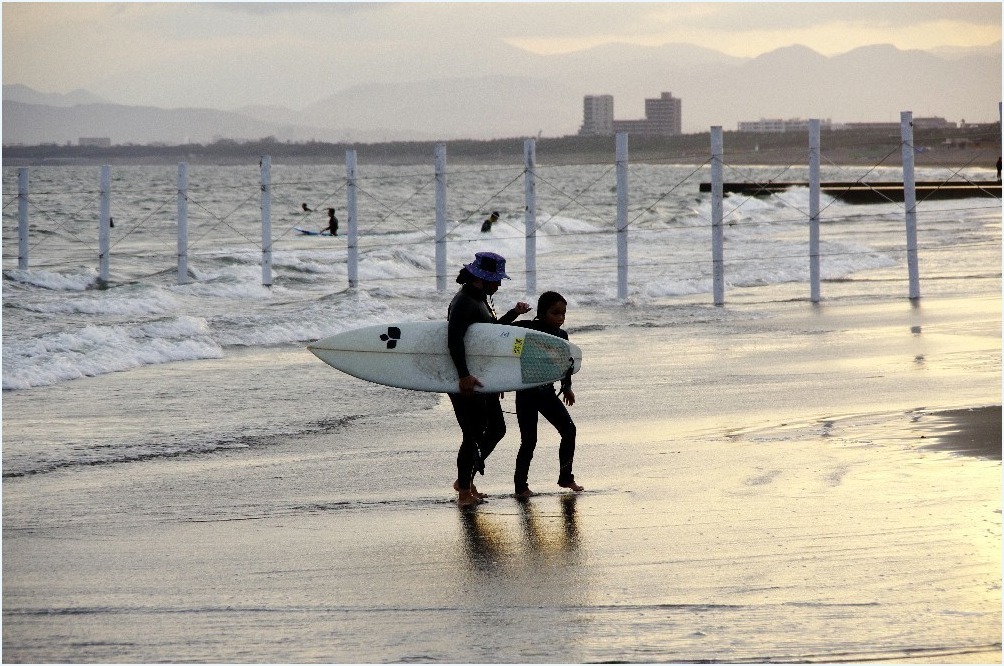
<point x="414" y="355"/>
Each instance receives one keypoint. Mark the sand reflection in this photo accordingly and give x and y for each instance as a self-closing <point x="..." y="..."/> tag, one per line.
<point x="536" y="534"/>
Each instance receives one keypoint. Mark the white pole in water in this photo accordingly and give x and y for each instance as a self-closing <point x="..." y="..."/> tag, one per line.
<point x="266" y="220"/>
<point x="814" y="209"/>
<point x="910" y="202"/>
<point x="105" y="222"/>
<point x="182" y="223"/>
<point x="22" y="218"/>
<point x="717" y="232"/>
<point x="353" y="240"/>
<point x="530" y="219"/>
<point x="621" y="158"/>
<point x="441" y="217"/>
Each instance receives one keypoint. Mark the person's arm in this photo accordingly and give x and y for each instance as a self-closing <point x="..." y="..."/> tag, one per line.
<point x="461" y="316"/>
<point x="566" y="381"/>
<point x="510" y="317"/>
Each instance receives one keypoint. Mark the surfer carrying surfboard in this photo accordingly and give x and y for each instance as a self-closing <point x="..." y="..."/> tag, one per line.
<point x="478" y="414"/>
<point x="551" y="309"/>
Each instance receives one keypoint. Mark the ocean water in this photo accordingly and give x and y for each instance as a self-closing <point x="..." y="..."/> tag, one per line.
<point x="58" y="326"/>
<point x="145" y="408"/>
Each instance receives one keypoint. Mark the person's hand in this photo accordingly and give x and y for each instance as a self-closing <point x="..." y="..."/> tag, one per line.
<point x="569" y="397"/>
<point x="468" y="384"/>
<point x="522" y="308"/>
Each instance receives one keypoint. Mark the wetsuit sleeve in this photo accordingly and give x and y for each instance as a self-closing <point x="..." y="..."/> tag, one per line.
<point x="508" y="317"/>
<point x="462" y="315"/>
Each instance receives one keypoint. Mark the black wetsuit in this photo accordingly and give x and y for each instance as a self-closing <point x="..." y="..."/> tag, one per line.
<point x="480" y="414"/>
<point x="543" y="400"/>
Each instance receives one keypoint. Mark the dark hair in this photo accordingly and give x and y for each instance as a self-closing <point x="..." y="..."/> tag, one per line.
<point x="547" y="299"/>
<point x="464" y="276"/>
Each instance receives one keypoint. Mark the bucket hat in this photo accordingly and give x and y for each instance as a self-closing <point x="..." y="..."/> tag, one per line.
<point x="488" y="266"/>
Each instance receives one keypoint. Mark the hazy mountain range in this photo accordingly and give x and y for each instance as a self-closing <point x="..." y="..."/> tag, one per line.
<point x="872" y="83"/>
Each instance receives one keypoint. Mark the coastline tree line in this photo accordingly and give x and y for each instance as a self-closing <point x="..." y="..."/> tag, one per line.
<point x="944" y="145"/>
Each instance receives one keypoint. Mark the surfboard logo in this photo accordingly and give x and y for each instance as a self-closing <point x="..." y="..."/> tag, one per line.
<point x="391" y="337"/>
<point x="517" y="347"/>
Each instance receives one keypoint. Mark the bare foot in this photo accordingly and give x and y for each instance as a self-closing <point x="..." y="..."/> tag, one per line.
<point x="572" y="485"/>
<point x="467" y="498"/>
<point x="525" y="494"/>
<point x="456" y="486"/>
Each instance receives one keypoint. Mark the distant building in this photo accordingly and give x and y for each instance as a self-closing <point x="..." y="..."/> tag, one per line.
<point x="933" y="123"/>
<point x="663" y="117"/>
<point x="597" y="115"/>
<point x="872" y="126"/>
<point x="918" y="123"/>
<point x="95" y="141"/>
<point x="779" y="126"/>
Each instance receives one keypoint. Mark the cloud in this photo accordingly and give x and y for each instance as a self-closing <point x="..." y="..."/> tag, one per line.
<point x="233" y="54"/>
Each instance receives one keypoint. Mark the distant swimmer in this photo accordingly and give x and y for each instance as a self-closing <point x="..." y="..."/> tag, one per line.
<point x="306" y="208"/>
<point x="486" y="226"/>
<point x="332" y="227"/>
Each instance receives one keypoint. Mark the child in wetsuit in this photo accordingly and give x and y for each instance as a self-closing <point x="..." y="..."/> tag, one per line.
<point x="551" y="309"/>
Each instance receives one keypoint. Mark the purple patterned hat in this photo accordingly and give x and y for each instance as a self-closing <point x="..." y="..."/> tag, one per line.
<point x="488" y="266"/>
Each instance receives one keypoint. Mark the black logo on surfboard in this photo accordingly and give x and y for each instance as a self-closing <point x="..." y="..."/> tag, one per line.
<point x="391" y="337"/>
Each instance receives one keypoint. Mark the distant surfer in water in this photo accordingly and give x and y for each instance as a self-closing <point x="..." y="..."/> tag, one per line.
<point x="551" y="309"/>
<point x="306" y="208"/>
<point x="486" y="226"/>
<point x="479" y="414"/>
<point x="332" y="227"/>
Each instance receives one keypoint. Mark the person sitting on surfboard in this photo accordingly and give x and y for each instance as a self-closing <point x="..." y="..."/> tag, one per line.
<point x="551" y="308"/>
<point x="332" y="227"/>
<point x="478" y="414"/>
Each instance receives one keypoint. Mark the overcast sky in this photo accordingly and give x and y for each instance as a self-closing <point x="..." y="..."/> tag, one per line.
<point x="226" y="55"/>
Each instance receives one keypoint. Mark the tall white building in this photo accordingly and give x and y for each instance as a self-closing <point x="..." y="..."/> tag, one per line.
<point x="597" y="115"/>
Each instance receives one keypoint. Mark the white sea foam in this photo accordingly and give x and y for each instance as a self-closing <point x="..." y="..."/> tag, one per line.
<point x="96" y="350"/>
<point x="53" y="280"/>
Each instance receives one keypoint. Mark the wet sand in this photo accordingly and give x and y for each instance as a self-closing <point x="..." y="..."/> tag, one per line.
<point x="975" y="432"/>
<point x="817" y="484"/>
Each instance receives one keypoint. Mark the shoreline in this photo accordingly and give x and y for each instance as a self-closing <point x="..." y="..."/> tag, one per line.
<point x="960" y="148"/>
<point x="954" y="159"/>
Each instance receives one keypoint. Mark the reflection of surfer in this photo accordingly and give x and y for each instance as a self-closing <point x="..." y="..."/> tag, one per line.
<point x="487" y="542"/>
<point x="551" y="308"/>
<point x="484" y="543"/>
<point x="539" y="541"/>
<point x="332" y="227"/>
<point x="478" y="414"/>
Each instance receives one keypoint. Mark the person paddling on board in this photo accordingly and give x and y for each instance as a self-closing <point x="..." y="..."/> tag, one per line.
<point x="551" y="309"/>
<point x="332" y="227"/>
<point x="478" y="414"/>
